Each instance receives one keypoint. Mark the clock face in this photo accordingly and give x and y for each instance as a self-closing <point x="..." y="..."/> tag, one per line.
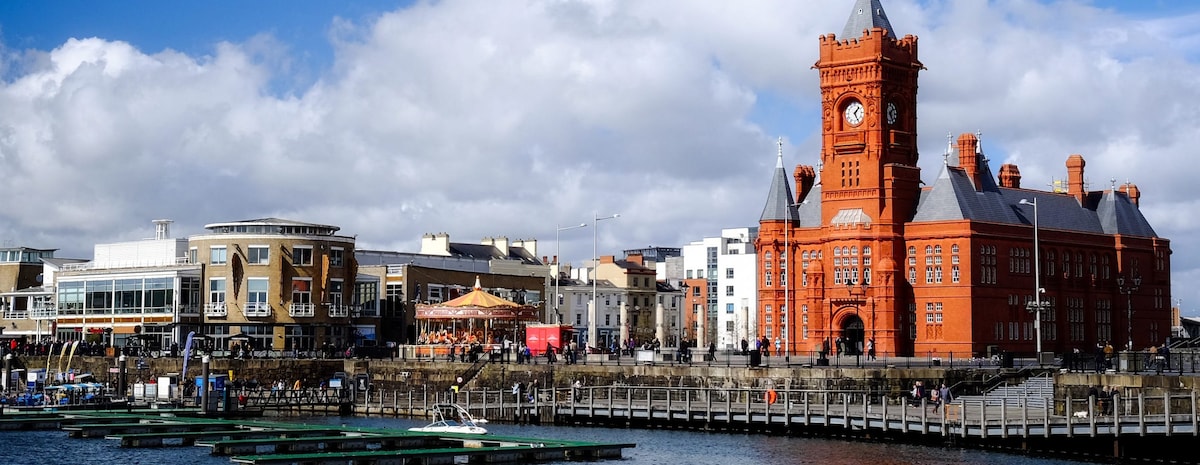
<point x="892" y="114"/>
<point x="854" y="113"/>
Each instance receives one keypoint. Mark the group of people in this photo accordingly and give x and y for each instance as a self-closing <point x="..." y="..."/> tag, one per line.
<point x="1104" y="399"/>
<point x="936" y="397"/>
<point x="523" y="393"/>
<point x="53" y="346"/>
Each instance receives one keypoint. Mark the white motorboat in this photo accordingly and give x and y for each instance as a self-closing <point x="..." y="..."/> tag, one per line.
<point x="451" y="418"/>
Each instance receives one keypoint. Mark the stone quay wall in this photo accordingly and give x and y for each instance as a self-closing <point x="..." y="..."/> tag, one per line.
<point x="440" y="375"/>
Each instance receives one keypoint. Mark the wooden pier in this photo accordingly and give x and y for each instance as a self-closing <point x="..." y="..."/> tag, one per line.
<point x="1128" y="428"/>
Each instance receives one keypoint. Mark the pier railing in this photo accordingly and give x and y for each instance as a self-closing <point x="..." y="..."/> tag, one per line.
<point x="1131" y="411"/>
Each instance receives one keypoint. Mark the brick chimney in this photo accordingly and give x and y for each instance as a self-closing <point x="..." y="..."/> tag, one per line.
<point x="805" y="176"/>
<point x="1132" y="191"/>
<point x="1075" y="166"/>
<point x="968" y="157"/>
<point x="1010" y="176"/>
<point x="636" y="258"/>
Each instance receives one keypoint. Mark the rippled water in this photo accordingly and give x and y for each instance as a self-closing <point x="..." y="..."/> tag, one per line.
<point x="654" y="447"/>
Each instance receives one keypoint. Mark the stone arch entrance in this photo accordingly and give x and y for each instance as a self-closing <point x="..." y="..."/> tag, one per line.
<point x="853" y="332"/>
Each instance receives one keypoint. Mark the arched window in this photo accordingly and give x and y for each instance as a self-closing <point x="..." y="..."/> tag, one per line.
<point x="867" y="251"/>
<point x="928" y="249"/>
<point x="837" y="252"/>
<point x="853" y="251"/>
<point x="937" y="249"/>
<point x="954" y="248"/>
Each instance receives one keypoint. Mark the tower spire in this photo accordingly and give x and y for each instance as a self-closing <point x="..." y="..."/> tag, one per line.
<point x="866" y="15"/>
<point x="779" y="162"/>
<point x="779" y="199"/>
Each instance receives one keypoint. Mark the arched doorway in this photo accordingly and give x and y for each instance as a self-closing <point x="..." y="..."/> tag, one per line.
<point x="852" y="335"/>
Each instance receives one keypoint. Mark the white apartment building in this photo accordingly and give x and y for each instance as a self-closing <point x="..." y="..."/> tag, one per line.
<point x="728" y="263"/>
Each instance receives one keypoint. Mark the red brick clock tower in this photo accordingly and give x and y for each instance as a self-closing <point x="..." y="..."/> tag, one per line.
<point x="870" y="180"/>
<point x="845" y="233"/>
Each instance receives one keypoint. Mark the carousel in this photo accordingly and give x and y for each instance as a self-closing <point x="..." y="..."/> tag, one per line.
<point x="476" y="317"/>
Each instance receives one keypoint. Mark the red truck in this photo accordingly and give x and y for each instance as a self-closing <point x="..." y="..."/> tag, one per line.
<point x="538" y="335"/>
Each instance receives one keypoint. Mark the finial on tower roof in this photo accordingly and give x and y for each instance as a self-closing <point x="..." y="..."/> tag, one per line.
<point x="779" y="162"/>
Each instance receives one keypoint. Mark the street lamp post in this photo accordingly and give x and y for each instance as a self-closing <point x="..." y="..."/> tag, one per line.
<point x="557" y="267"/>
<point x="860" y="298"/>
<point x="1132" y="287"/>
<point x="595" y="262"/>
<point x="679" y="324"/>
<point x="787" y="276"/>
<point x="1037" y="278"/>
<point x="787" y="283"/>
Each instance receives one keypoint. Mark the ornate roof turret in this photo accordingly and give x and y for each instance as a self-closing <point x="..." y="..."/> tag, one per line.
<point x="779" y="199"/>
<point x="866" y="15"/>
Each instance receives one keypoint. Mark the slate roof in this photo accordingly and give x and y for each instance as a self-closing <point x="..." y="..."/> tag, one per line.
<point x="809" y="210"/>
<point x="953" y="197"/>
<point x="779" y="198"/>
<point x="867" y="14"/>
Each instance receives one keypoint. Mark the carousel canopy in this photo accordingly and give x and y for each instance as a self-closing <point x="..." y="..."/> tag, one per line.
<point x="477" y="304"/>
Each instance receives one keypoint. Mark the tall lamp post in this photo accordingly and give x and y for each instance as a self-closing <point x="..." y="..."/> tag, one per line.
<point x="682" y="304"/>
<point x="787" y="276"/>
<point x="557" y="268"/>
<point x="787" y="283"/>
<point x="1128" y="288"/>
<point x="1037" y="278"/>
<point x="859" y="295"/>
<point x="595" y="262"/>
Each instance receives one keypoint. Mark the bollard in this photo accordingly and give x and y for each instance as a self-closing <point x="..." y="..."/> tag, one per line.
<point x="204" y="386"/>
<point x="7" y="377"/>
<point x="7" y="371"/>
<point x="121" y="376"/>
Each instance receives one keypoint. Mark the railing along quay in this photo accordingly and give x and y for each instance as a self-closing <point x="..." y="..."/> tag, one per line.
<point x="1168" y="415"/>
<point x="720" y="408"/>
<point x="1133" y="425"/>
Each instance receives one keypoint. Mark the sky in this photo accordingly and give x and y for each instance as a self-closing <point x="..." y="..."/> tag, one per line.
<point x="392" y="119"/>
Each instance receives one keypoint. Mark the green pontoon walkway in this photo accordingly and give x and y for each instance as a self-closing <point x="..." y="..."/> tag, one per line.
<point x="261" y="442"/>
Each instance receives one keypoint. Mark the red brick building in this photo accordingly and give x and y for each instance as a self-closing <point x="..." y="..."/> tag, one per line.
<point x="951" y="265"/>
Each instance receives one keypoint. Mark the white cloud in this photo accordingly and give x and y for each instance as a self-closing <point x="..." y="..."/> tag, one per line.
<point x="490" y="118"/>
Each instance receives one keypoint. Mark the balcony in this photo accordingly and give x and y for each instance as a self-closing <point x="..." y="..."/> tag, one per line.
<point x="302" y="310"/>
<point x="257" y="310"/>
<point x="215" y="309"/>
<point x="43" y="312"/>
<point x="189" y="310"/>
<point x="13" y="313"/>
<point x="339" y="311"/>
